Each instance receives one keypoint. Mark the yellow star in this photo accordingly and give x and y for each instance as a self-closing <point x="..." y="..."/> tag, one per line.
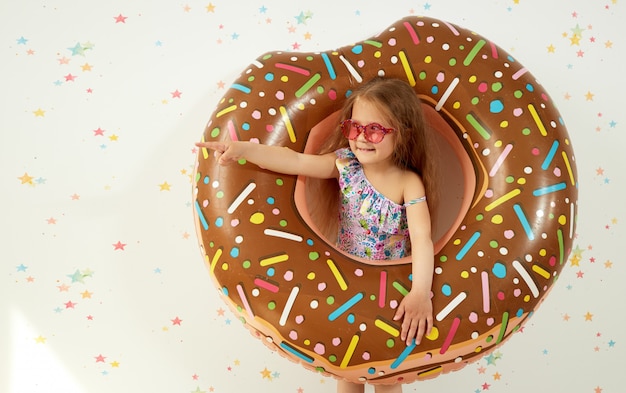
<point x="210" y="7"/>
<point x="237" y="362"/>
<point x="608" y="264"/>
<point x="266" y="373"/>
<point x="588" y="316"/>
<point x="86" y="67"/>
<point x="39" y="112"/>
<point x="307" y="36"/>
<point x="496" y="376"/>
<point x="115" y="363"/>
<point x="575" y="260"/>
<point x="25" y="178"/>
<point x="113" y="138"/>
<point x="86" y="295"/>
<point x="614" y="221"/>
<point x="589" y="96"/>
<point x="40" y="340"/>
<point x="165" y="186"/>
<point x="608" y="44"/>
<point x="574" y="40"/>
<point x="551" y="49"/>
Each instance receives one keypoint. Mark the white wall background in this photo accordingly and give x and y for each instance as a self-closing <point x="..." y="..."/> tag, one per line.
<point x="103" y="286"/>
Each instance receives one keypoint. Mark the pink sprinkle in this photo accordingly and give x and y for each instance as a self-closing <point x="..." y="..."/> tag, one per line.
<point x="473" y="317"/>
<point x="509" y="234"/>
<point x="319" y="348"/>
<point x="293" y="335"/>
<point x="391" y="42"/>
<point x="256" y="114"/>
<point x="358" y="272"/>
<point x="288" y="276"/>
<point x="336" y="341"/>
<point x="366" y="355"/>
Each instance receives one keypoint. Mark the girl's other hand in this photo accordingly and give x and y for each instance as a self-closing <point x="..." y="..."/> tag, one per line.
<point x="417" y="311"/>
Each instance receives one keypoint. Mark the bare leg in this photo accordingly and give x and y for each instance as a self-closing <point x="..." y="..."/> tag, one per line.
<point x="349" y="387"/>
<point x="388" y="388"/>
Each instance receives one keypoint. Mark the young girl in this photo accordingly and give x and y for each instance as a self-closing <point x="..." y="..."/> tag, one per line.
<point x="379" y="158"/>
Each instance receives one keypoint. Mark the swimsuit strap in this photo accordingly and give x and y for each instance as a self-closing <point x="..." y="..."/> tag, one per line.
<point x="416" y="200"/>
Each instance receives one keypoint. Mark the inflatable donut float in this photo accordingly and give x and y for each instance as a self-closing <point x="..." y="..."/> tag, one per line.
<point x="508" y="208"/>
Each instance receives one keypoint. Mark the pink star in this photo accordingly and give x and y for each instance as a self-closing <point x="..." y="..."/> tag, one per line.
<point x="100" y="358"/>
<point x="70" y="78"/>
<point x="119" y="246"/>
<point x="195" y="377"/>
<point x="98" y="132"/>
<point x="70" y="304"/>
<point x="486" y="386"/>
<point x="120" y="18"/>
<point x="90" y="317"/>
<point x="580" y="274"/>
<point x="176" y="321"/>
<point x="295" y="46"/>
<point x="176" y="94"/>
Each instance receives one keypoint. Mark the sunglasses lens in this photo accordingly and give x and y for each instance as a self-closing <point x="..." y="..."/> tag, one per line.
<point x="374" y="133"/>
<point x="349" y="129"/>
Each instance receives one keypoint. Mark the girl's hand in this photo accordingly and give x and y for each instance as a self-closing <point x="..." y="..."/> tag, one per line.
<point x="417" y="311"/>
<point x="224" y="152"/>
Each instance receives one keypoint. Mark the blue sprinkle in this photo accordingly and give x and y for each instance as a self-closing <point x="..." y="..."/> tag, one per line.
<point x="357" y="49"/>
<point x="496" y="106"/>
<point x="499" y="270"/>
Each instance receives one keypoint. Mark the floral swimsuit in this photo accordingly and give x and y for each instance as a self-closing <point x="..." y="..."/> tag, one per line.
<point x="371" y="226"/>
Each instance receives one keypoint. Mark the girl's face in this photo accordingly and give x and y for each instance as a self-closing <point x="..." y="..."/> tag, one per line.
<point x="364" y="113"/>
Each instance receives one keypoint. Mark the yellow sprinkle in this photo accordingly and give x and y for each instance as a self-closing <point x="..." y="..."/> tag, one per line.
<point x="350" y="351"/>
<point x="274" y="259"/>
<point x="257" y="218"/>
<point x="384" y="326"/>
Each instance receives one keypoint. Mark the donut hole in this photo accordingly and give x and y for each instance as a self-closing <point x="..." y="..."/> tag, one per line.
<point x="456" y="184"/>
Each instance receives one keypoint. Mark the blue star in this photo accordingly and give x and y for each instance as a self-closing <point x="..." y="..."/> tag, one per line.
<point x="58" y="83"/>
<point x="22" y="268"/>
<point x="612" y="123"/>
<point x="22" y="41"/>
<point x="157" y="270"/>
<point x="40" y="180"/>
<point x="234" y="36"/>
<point x="300" y="18"/>
<point x="77" y="50"/>
<point x="158" y="43"/>
<point x="427" y="6"/>
<point x="263" y="9"/>
<point x="58" y="310"/>
<point x="611" y="344"/>
<point x="491" y="359"/>
<point x="76" y="277"/>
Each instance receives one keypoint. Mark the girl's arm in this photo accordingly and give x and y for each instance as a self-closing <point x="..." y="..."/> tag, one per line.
<point x="416" y="307"/>
<point x="274" y="158"/>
